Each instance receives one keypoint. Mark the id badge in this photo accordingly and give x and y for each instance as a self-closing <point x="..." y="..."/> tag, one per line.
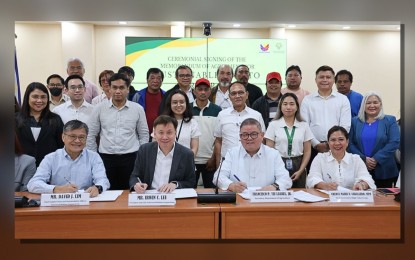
<point x="289" y="164"/>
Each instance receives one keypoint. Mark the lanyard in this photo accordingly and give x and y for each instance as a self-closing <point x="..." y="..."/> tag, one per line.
<point x="290" y="139"/>
<point x="180" y="130"/>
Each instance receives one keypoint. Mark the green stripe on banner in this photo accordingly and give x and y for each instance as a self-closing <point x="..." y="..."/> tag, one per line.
<point x="145" y="44"/>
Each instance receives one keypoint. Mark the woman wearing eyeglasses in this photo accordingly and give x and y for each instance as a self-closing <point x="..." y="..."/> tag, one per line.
<point x="187" y="132"/>
<point x="38" y="129"/>
<point x="291" y="136"/>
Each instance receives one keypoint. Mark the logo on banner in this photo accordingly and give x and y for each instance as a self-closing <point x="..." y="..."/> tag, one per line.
<point x="264" y="48"/>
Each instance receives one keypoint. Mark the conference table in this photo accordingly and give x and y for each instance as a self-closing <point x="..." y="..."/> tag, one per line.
<point x="191" y="220"/>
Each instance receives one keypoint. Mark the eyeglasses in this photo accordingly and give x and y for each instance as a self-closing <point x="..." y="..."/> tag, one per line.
<point x="122" y="88"/>
<point x="185" y="75"/>
<point x="81" y="138"/>
<point x="55" y="85"/>
<point x="239" y="93"/>
<point x="245" y="136"/>
<point x="74" y="88"/>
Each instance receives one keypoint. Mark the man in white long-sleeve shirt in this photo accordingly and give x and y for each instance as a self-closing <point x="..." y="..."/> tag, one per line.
<point x="252" y="164"/>
<point x="122" y="127"/>
<point x="324" y="109"/>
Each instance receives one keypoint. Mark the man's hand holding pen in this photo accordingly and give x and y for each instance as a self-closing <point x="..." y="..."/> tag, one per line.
<point x="140" y="187"/>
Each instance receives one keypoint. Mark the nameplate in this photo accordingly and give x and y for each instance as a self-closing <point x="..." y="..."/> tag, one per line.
<point x="154" y="199"/>
<point x="64" y="199"/>
<point x="272" y="196"/>
<point x="351" y="196"/>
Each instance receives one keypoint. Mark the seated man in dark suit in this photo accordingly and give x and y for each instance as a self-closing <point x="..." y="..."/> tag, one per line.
<point x="164" y="165"/>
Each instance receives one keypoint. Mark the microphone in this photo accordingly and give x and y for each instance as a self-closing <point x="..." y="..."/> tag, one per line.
<point x="216" y="197"/>
<point x="217" y="178"/>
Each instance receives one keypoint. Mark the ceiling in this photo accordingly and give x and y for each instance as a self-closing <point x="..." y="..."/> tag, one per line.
<point x="336" y="25"/>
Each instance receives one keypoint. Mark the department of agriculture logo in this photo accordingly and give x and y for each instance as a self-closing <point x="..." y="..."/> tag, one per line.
<point x="264" y="47"/>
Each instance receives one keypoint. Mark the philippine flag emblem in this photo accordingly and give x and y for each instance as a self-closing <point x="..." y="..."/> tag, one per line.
<point x="264" y="47"/>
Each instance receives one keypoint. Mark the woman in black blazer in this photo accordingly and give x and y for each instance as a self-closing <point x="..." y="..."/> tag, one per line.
<point x="38" y="129"/>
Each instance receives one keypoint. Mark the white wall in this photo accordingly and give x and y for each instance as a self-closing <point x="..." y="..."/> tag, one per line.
<point x="372" y="56"/>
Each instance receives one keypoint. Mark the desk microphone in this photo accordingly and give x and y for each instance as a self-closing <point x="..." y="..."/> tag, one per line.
<point x="216" y="197"/>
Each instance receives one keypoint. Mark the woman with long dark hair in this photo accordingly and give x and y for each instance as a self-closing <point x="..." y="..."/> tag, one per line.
<point x="177" y="106"/>
<point x="38" y="129"/>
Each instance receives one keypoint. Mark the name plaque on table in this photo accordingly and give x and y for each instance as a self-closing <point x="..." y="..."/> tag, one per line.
<point x="272" y="196"/>
<point x="153" y="199"/>
<point x="64" y="199"/>
<point x="351" y="196"/>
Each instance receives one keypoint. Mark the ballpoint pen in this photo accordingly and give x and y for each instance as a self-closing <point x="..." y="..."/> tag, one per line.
<point x="67" y="180"/>
<point x="329" y="177"/>
<point x="236" y="177"/>
<point x="138" y="179"/>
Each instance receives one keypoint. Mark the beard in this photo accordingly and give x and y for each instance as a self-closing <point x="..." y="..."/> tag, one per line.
<point x="224" y="84"/>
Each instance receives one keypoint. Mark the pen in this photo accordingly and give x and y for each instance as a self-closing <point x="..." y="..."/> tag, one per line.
<point x="329" y="176"/>
<point x="236" y="177"/>
<point x="139" y="180"/>
<point x="67" y="180"/>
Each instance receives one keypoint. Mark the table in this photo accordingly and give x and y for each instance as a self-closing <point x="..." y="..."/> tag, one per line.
<point x="115" y="220"/>
<point x="320" y="220"/>
<point x="190" y="220"/>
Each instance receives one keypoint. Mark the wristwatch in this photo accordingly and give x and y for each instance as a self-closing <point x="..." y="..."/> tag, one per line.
<point x="99" y="187"/>
<point x="175" y="182"/>
<point x="277" y="187"/>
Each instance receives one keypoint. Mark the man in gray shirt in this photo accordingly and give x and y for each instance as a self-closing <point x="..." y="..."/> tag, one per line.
<point x="121" y="126"/>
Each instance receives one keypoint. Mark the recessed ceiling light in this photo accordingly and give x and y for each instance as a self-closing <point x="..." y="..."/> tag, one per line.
<point x="346" y="27"/>
<point x="123" y="23"/>
<point x="292" y="26"/>
<point x="236" y="25"/>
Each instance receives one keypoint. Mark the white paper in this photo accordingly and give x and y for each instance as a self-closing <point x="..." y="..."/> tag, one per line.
<point x="246" y="193"/>
<point x="339" y="188"/>
<point x="108" y="195"/>
<point x="307" y="197"/>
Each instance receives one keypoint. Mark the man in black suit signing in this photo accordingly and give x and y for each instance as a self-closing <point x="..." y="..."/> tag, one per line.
<point x="164" y="165"/>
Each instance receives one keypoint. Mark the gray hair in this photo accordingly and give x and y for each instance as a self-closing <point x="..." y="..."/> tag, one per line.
<point x="222" y="67"/>
<point x="75" y="59"/>
<point x="362" y="115"/>
<point x="75" y="124"/>
<point x="251" y="121"/>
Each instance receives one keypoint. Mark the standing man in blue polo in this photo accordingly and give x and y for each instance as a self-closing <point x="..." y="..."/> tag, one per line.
<point x="344" y="80"/>
<point x="122" y="128"/>
<point x="205" y="113"/>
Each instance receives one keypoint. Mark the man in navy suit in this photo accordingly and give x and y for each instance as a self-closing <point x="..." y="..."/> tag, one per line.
<point x="164" y="165"/>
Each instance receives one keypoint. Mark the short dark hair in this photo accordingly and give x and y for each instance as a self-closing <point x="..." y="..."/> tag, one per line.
<point x="155" y="71"/>
<point x="187" y="114"/>
<point x="344" y="72"/>
<point x="75" y="76"/>
<point x="183" y="67"/>
<point x="338" y="128"/>
<point x="118" y="76"/>
<point x="75" y="124"/>
<point x="242" y="65"/>
<point x="164" y="120"/>
<point x="128" y="70"/>
<point x="251" y="121"/>
<point x="55" y="76"/>
<point x="293" y="67"/>
<point x="325" y="68"/>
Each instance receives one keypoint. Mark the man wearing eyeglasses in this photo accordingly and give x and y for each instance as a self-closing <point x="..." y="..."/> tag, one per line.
<point x="184" y="76"/>
<point x="76" y="107"/>
<point x="229" y="120"/>
<point x="55" y="85"/>
<point x="71" y="168"/>
<point x="252" y="164"/>
<point x="122" y="128"/>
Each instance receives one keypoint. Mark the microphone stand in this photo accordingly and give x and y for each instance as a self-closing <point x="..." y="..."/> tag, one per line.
<point x="216" y="197"/>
